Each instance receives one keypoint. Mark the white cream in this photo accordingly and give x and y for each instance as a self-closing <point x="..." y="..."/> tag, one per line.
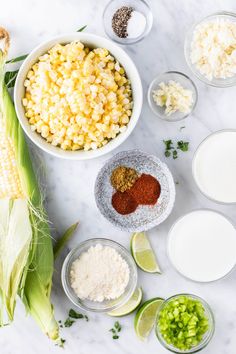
<point x="202" y="245"/>
<point x="214" y="167"/>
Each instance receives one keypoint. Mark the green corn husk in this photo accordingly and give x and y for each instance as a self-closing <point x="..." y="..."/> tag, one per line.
<point x="35" y="268"/>
<point x="16" y="237"/>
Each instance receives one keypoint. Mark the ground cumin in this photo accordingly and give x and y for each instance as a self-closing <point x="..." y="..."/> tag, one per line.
<point x="123" y="178"/>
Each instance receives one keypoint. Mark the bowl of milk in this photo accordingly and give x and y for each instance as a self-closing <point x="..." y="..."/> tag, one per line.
<point x="214" y="166"/>
<point x="202" y="245"/>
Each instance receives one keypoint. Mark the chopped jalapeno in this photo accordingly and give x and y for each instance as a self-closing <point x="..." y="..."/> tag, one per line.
<point x="183" y="322"/>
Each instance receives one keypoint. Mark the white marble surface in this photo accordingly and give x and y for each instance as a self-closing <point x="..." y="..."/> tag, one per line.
<point x="70" y="184"/>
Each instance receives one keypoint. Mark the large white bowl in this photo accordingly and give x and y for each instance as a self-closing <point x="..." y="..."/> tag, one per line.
<point x="91" y="41"/>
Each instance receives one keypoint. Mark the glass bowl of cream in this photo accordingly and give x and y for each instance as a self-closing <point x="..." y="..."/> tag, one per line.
<point x="214" y="166"/>
<point x="210" y="49"/>
<point x="99" y="275"/>
<point x="201" y="245"/>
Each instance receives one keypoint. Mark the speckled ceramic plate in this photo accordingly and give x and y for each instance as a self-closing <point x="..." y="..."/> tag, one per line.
<point x="145" y="217"/>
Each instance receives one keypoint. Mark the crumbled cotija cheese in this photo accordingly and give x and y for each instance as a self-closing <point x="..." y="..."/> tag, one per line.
<point x="99" y="274"/>
<point x="174" y="97"/>
<point x="213" y="49"/>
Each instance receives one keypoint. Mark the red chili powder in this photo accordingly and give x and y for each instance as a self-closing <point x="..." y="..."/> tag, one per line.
<point x="123" y="203"/>
<point x="146" y="190"/>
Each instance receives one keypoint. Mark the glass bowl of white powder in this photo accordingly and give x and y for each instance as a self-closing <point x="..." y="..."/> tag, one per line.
<point x="210" y="49"/>
<point x="99" y="275"/>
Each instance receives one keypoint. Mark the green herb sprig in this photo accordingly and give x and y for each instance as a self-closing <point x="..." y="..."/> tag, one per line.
<point x="77" y="315"/>
<point x="60" y="343"/>
<point x="115" y="330"/>
<point x="170" y="149"/>
<point x="182" y="145"/>
<point x="72" y="316"/>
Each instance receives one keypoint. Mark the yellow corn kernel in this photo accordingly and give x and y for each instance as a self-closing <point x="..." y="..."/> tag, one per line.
<point x="79" y="102"/>
<point x="10" y="185"/>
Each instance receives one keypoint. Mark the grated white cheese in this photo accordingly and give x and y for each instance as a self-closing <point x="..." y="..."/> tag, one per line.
<point x="213" y="49"/>
<point x="173" y="97"/>
<point x="99" y="274"/>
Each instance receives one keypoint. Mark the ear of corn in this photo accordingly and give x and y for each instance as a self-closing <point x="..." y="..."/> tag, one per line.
<point x="16" y="237"/>
<point x="29" y="263"/>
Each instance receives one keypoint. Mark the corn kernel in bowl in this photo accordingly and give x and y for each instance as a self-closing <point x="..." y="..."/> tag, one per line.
<point x="77" y="98"/>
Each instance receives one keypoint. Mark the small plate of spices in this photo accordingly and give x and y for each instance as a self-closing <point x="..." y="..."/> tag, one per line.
<point x="127" y="21"/>
<point x="135" y="191"/>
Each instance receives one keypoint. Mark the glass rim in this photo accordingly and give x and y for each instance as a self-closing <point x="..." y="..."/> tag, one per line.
<point x="129" y="260"/>
<point x="210" y="331"/>
<point x="222" y="83"/>
<point x="168" y="239"/>
<point x="194" y="160"/>
<point x="176" y="72"/>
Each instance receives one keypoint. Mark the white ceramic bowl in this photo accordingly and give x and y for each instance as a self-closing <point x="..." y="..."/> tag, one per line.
<point x="92" y="41"/>
<point x="144" y="217"/>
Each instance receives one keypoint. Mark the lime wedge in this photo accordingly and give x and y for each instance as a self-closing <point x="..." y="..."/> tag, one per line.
<point x="130" y="306"/>
<point x="143" y="253"/>
<point x="145" y="317"/>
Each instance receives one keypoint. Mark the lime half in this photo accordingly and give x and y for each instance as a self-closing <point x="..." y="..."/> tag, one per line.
<point x="143" y="253"/>
<point x="146" y="316"/>
<point x="130" y="306"/>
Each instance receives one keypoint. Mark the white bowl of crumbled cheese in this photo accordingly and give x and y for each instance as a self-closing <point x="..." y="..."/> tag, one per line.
<point x="99" y="275"/>
<point x="210" y="49"/>
<point x="78" y="96"/>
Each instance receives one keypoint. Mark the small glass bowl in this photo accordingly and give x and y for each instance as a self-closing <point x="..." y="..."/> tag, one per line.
<point x="207" y="336"/>
<point x="138" y="5"/>
<point x="107" y="305"/>
<point x="227" y="82"/>
<point x="179" y="77"/>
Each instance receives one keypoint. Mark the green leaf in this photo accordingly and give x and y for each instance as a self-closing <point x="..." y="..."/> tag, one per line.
<point x="61" y="343"/>
<point x="168" y="144"/>
<point x="64" y="239"/>
<point x="68" y="322"/>
<point x="115" y="336"/>
<point x="74" y="314"/>
<point x="81" y="29"/>
<point x="15" y="60"/>
<point x="182" y="145"/>
<point x="175" y="154"/>
<point x="117" y="326"/>
<point x="167" y="153"/>
<point x="10" y="78"/>
<point x="15" y="243"/>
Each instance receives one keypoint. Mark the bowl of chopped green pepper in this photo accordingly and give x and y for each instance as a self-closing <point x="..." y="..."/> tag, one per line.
<point x="185" y="324"/>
